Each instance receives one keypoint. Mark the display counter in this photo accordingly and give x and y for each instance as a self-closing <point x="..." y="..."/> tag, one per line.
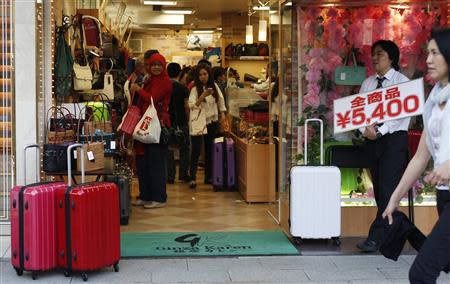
<point x="255" y="169"/>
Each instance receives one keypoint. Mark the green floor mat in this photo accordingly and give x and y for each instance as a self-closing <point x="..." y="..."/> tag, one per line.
<point x="206" y="244"/>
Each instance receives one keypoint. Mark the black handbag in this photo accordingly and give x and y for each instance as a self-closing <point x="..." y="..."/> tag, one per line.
<point x="164" y="138"/>
<point x="55" y="157"/>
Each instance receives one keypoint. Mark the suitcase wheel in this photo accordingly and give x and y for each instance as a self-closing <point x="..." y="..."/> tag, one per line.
<point x="124" y="221"/>
<point x="297" y="240"/>
<point x="336" y="241"/>
<point x="19" y="271"/>
<point x="84" y="276"/>
<point x="66" y="273"/>
<point x="116" y="267"/>
<point x="33" y="275"/>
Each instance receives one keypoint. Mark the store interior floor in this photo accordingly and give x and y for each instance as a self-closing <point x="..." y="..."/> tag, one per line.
<point x="200" y="210"/>
<point x="203" y="210"/>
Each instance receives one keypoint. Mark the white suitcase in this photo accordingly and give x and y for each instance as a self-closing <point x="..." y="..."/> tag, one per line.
<point x="315" y="198"/>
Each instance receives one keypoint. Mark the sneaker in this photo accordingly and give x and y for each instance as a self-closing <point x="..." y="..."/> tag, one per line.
<point x="367" y="246"/>
<point x="139" y="202"/>
<point x="155" y="204"/>
<point x="192" y="184"/>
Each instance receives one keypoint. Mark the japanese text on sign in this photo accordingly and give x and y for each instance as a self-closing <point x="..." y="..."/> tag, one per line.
<point x="393" y="102"/>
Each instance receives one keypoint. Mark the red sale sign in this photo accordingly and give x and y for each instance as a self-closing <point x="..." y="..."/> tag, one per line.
<point x="393" y="102"/>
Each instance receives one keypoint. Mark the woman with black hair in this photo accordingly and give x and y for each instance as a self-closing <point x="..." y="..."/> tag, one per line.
<point x="205" y="97"/>
<point x="434" y="255"/>
<point x="387" y="143"/>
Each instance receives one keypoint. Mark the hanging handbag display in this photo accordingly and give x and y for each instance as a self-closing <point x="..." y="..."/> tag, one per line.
<point x="350" y="75"/>
<point x="55" y="150"/>
<point x="82" y="79"/>
<point x="148" y="129"/>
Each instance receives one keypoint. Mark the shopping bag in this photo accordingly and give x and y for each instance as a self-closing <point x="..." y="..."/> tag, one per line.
<point x="148" y="129"/>
<point x="197" y="122"/>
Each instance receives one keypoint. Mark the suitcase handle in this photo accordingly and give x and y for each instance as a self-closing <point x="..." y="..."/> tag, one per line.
<point x="306" y="139"/>
<point x="69" y="164"/>
<point x="38" y="156"/>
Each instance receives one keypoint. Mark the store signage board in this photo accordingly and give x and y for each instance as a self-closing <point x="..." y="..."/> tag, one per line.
<point x="393" y="102"/>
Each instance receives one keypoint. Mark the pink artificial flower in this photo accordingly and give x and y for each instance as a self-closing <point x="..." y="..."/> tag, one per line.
<point x="316" y="64"/>
<point x="332" y="60"/>
<point x="315" y="52"/>
<point x="314" y="12"/>
<point x="313" y="89"/>
<point x="313" y="75"/>
<point x="331" y="97"/>
<point x="333" y="12"/>
<point x="312" y="100"/>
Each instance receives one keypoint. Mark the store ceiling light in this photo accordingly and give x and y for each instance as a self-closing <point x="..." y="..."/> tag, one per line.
<point x="289" y="3"/>
<point x="203" y="31"/>
<point x="183" y="11"/>
<point x="160" y="3"/>
<point x="261" y="8"/>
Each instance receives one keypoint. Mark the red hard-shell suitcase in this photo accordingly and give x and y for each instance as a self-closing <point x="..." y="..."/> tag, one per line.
<point x="33" y="220"/>
<point x="88" y="219"/>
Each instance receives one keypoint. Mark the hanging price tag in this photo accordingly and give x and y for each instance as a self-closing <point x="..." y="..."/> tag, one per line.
<point x="90" y="155"/>
<point x="113" y="145"/>
<point x="74" y="155"/>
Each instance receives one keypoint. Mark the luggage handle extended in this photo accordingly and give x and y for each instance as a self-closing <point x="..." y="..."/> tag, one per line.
<point x="306" y="139"/>
<point x="69" y="164"/>
<point x="38" y="156"/>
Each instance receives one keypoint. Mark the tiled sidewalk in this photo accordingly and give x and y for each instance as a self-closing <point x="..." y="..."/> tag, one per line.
<point x="267" y="269"/>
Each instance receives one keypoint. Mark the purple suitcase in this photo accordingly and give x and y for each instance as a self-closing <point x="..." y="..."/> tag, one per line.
<point x="230" y="163"/>
<point x="224" y="175"/>
<point x="217" y="159"/>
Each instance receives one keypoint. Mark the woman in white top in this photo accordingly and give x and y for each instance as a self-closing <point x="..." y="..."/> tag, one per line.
<point x="386" y="143"/>
<point x="434" y="256"/>
<point x="205" y="99"/>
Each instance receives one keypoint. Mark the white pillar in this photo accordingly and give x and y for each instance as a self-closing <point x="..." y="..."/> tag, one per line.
<point x="25" y="86"/>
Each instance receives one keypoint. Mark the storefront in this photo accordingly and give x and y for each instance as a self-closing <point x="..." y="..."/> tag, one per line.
<point x="306" y="40"/>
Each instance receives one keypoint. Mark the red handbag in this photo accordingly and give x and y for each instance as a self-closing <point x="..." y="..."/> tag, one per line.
<point x="130" y="120"/>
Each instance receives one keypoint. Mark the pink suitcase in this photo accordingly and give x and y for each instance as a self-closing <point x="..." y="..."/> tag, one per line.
<point x="33" y="220"/>
<point x="88" y="221"/>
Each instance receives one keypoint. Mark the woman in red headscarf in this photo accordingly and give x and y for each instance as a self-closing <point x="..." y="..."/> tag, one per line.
<point x="151" y="158"/>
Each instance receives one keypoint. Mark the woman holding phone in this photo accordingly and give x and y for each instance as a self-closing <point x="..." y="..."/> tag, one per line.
<point x="205" y="97"/>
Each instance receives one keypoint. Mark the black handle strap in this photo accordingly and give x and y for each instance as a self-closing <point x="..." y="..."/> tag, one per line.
<point x="21" y="229"/>
<point x="68" y="230"/>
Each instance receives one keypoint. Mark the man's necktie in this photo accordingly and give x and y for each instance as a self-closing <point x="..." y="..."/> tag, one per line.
<point x="380" y="82"/>
<point x="380" y="85"/>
